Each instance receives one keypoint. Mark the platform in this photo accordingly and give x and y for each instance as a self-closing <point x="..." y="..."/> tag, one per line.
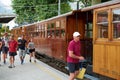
<point x="30" y="71"/>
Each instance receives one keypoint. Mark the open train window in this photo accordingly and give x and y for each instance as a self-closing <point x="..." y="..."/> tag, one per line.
<point x="89" y="30"/>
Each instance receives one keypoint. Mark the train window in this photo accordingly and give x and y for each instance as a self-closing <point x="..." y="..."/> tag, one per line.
<point x="48" y="27"/>
<point x="102" y="24"/>
<point x="88" y="30"/>
<point x="57" y="32"/>
<point x="57" y="24"/>
<point x="116" y="23"/>
<point x="62" y="23"/>
<point x="52" y="25"/>
<point x="62" y="33"/>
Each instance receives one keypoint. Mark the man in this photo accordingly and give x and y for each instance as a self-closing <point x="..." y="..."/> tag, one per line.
<point x="21" y="48"/>
<point x="12" y="50"/>
<point x="74" y="55"/>
<point x="5" y="47"/>
<point x="0" y="49"/>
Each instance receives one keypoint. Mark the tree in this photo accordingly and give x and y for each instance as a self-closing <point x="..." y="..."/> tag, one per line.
<point x="4" y="29"/>
<point x="87" y="2"/>
<point x="36" y="10"/>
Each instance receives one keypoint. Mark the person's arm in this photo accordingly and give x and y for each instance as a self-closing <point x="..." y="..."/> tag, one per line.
<point x="74" y="56"/>
<point x="19" y="41"/>
<point x="0" y="44"/>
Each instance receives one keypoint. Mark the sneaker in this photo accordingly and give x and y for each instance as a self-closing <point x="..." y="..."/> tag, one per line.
<point x="13" y="66"/>
<point x="35" y="61"/>
<point x="4" y="61"/>
<point x="10" y="66"/>
<point x="30" y="60"/>
<point x="22" y="61"/>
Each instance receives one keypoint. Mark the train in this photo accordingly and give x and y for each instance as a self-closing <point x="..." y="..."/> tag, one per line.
<point x="99" y="26"/>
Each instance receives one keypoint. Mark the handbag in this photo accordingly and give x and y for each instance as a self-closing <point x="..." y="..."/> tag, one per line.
<point x="81" y="72"/>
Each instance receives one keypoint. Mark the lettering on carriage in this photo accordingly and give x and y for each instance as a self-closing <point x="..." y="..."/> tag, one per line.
<point x="115" y="73"/>
<point x="109" y="71"/>
<point x="104" y="70"/>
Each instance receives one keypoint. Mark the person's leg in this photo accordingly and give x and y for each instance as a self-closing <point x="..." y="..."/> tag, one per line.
<point x="10" y="66"/>
<point x="4" y="57"/>
<point x="34" y="56"/>
<point x="24" y="53"/>
<point x="77" y="67"/>
<point x="0" y="58"/>
<point x="21" y="55"/>
<point x="30" y="56"/>
<point x="72" y="76"/>
<point x="71" y="67"/>
<point x="13" y="59"/>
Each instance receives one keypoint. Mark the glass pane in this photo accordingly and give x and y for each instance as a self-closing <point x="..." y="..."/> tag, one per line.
<point x="102" y="24"/>
<point x="103" y="31"/>
<point x="62" y="33"/>
<point x="63" y="24"/>
<point x="116" y="15"/>
<point x="116" y="23"/>
<point x="57" y="33"/>
<point x="116" y="30"/>
<point x="102" y="17"/>
<point x="57" y="24"/>
<point x="88" y="34"/>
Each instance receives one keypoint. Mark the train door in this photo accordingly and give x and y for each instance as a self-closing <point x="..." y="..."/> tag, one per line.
<point x="88" y="37"/>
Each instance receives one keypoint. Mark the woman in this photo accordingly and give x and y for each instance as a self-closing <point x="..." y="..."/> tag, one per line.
<point x="31" y="48"/>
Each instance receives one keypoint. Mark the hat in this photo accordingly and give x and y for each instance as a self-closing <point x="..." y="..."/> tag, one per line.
<point x="75" y="34"/>
<point x="19" y="38"/>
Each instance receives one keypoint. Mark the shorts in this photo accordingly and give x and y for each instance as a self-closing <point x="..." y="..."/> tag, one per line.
<point x="12" y="53"/>
<point x="73" y="67"/>
<point x="31" y="50"/>
<point x="5" y="49"/>
<point x="21" y="52"/>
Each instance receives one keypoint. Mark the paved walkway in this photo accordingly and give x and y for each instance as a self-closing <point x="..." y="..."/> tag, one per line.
<point x="30" y="71"/>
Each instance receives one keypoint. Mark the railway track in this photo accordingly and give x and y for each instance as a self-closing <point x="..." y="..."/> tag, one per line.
<point x="59" y="65"/>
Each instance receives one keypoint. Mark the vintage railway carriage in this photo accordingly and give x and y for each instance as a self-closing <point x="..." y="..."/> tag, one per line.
<point x="106" y="39"/>
<point x="52" y="35"/>
<point x="18" y="32"/>
<point x="100" y="36"/>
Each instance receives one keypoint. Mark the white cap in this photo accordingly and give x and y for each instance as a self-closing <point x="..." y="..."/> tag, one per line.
<point x="75" y="34"/>
<point x="19" y="38"/>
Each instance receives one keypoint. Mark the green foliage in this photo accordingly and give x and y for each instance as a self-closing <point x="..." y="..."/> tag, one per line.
<point x="87" y="2"/>
<point x="3" y="29"/>
<point x="36" y="10"/>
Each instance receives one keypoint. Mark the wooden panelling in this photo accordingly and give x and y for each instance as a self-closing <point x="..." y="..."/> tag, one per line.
<point x="106" y="60"/>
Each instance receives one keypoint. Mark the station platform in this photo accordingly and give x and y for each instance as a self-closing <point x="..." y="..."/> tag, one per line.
<point x="30" y="71"/>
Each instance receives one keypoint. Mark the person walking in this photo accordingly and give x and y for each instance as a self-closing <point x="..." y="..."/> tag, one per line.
<point x="0" y="49"/>
<point x="31" y="47"/>
<point x="21" y="48"/>
<point x="74" y="55"/>
<point x="5" y="47"/>
<point x="12" y="50"/>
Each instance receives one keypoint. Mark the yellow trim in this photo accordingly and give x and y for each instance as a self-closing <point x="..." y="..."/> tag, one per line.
<point x="47" y="71"/>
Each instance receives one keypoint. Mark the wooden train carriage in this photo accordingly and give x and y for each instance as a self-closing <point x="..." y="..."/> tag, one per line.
<point x="18" y="32"/>
<point x="54" y="34"/>
<point x="106" y="39"/>
<point x="51" y="37"/>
